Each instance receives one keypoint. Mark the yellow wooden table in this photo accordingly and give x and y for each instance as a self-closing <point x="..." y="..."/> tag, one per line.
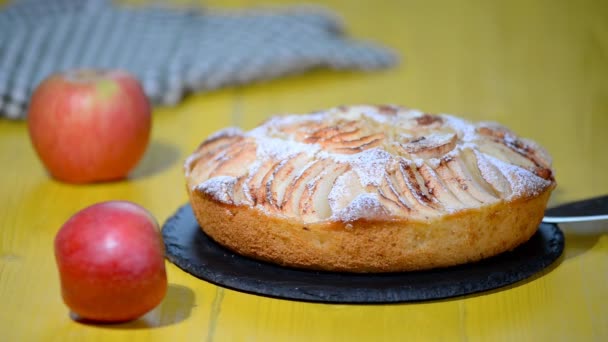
<point x="540" y="67"/>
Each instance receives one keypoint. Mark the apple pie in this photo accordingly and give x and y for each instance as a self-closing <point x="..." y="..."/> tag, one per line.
<point x="369" y="189"/>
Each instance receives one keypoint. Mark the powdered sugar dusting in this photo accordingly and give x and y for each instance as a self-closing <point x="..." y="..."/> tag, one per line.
<point x="418" y="162"/>
<point x="464" y="129"/>
<point x="523" y="182"/>
<point x="433" y="162"/>
<point x="492" y="174"/>
<point x="343" y="191"/>
<point x="219" y="188"/>
<point x="365" y="205"/>
<point x="279" y="149"/>
<point x="369" y="164"/>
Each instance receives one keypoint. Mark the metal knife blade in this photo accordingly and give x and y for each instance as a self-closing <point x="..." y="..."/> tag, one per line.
<point x="592" y="209"/>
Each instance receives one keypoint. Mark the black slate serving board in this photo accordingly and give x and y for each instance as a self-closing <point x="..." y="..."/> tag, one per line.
<point x="192" y="250"/>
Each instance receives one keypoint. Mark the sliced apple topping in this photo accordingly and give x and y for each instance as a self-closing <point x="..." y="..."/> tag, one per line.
<point x="241" y="195"/>
<point x="410" y="190"/>
<point x="282" y="177"/>
<point x="504" y="153"/>
<point x="294" y="191"/>
<point x="344" y="190"/>
<point x="438" y="189"/>
<point x="236" y="160"/>
<point x="467" y="177"/>
<point x="540" y="155"/>
<point x="356" y="145"/>
<point x="492" y="130"/>
<point x="492" y="175"/>
<point x="455" y="183"/>
<point x="428" y="120"/>
<point x="366" y="162"/>
<point x="513" y="149"/>
<point x="364" y="206"/>
<point x="431" y="146"/>
<point x="207" y="151"/>
<point x="390" y="198"/>
<point x="522" y="181"/>
<point x="347" y="133"/>
<point x="254" y="181"/>
<point x="314" y="203"/>
<point x="213" y="146"/>
<point x="220" y="188"/>
<point x="302" y="130"/>
<point x="346" y="137"/>
<point x="337" y="131"/>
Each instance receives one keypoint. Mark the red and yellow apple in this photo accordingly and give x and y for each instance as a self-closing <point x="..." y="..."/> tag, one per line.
<point x="111" y="262"/>
<point x="89" y="125"/>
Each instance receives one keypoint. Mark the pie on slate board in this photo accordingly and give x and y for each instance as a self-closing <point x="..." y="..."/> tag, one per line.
<point x="369" y="189"/>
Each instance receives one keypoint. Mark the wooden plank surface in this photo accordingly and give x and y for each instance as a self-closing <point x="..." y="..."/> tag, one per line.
<point x="539" y="67"/>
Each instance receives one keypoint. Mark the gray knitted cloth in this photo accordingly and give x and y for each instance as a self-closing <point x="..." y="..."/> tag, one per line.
<point x="171" y="50"/>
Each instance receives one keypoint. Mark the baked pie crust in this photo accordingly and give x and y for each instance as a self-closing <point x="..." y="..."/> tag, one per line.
<point x="369" y="189"/>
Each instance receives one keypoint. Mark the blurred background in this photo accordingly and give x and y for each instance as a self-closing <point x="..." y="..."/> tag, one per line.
<point x="542" y="62"/>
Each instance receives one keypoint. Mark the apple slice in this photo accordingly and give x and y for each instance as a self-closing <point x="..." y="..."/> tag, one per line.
<point x="471" y="164"/>
<point x="349" y="133"/>
<point x="437" y="188"/>
<point x="389" y="194"/>
<point x="254" y="181"/>
<point x="455" y="184"/>
<point x="467" y="181"/>
<point x="410" y="193"/>
<point x="235" y="161"/>
<point x="200" y="165"/>
<point x="283" y="175"/>
<point x="492" y="175"/>
<point x="301" y="131"/>
<point x="313" y="203"/>
<point x="294" y="190"/>
<point x="209" y="163"/>
<point x="277" y="175"/>
<point x="207" y="150"/>
<point x="240" y="194"/>
<point x="389" y="199"/>
<point x="344" y="190"/>
<point x="431" y="146"/>
<point x="357" y="149"/>
<point x="212" y="146"/>
<point x="505" y="154"/>
<point x="329" y="132"/>
<point x="429" y="120"/>
<point x="366" y="141"/>
<point x="364" y="206"/>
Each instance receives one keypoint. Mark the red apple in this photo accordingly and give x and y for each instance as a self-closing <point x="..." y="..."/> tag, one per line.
<point x="89" y="125"/>
<point x="111" y="262"/>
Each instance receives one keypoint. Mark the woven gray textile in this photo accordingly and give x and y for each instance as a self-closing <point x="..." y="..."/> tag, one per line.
<point x="171" y="50"/>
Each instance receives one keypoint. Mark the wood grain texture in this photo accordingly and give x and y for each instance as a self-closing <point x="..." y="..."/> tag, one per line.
<point x="539" y="67"/>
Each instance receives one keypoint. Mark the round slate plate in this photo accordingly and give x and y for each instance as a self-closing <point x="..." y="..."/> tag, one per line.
<point x="196" y="253"/>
